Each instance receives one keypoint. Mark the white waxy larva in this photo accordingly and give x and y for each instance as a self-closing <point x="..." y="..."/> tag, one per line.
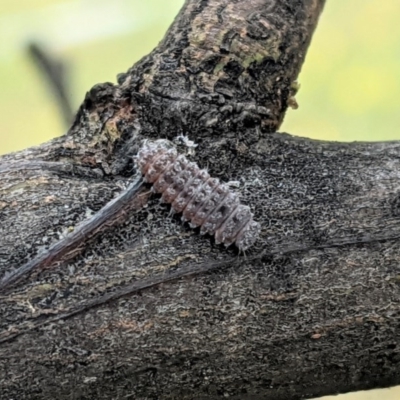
<point x="202" y="200"/>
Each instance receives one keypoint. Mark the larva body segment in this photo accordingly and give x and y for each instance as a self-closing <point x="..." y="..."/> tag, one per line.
<point x="203" y="201"/>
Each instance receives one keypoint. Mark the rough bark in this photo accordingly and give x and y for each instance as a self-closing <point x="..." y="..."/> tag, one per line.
<point x="148" y="308"/>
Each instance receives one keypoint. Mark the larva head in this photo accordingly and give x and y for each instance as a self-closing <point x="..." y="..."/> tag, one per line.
<point x="233" y="225"/>
<point x="248" y="235"/>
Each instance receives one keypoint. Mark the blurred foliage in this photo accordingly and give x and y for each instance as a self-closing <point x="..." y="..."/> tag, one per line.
<point x="351" y="78"/>
<point x="349" y="83"/>
<point x="97" y="38"/>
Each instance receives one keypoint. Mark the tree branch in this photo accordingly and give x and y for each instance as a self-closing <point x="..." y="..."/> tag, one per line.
<point x="54" y="73"/>
<point x="151" y="309"/>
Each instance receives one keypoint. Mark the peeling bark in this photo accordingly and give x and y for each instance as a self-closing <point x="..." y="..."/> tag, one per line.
<point x="147" y="308"/>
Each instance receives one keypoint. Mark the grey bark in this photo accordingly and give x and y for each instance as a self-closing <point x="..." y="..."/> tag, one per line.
<point x="145" y="307"/>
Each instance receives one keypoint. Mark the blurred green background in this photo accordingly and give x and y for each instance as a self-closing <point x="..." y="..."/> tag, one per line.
<point x="349" y="83"/>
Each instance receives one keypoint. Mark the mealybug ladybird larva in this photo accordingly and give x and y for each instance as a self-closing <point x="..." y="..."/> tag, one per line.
<point x="202" y="200"/>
